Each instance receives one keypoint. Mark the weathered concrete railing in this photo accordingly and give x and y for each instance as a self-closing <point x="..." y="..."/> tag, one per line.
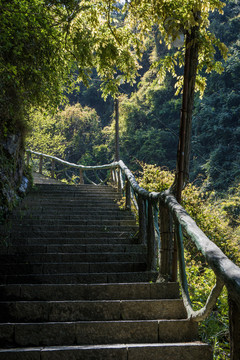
<point x="161" y="220"/>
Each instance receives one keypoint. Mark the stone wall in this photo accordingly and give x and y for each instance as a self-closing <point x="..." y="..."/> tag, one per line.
<point x="11" y="171"/>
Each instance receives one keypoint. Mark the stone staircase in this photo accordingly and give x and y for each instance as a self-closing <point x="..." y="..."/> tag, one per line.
<point x="74" y="284"/>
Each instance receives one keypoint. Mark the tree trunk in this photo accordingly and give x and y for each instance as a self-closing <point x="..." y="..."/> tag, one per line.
<point x="117" y="151"/>
<point x="183" y="153"/>
<point x="184" y="143"/>
<point x="234" y="328"/>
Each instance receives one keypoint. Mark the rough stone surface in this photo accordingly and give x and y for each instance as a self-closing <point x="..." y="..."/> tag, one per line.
<point x="75" y="285"/>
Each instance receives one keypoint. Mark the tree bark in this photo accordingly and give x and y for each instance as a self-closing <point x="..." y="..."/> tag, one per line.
<point x="117" y="150"/>
<point x="183" y="153"/>
<point x="234" y="328"/>
<point x="184" y="143"/>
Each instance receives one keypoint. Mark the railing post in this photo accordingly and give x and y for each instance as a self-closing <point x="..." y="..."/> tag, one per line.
<point x="174" y="258"/>
<point x="166" y="236"/>
<point x="119" y="180"/>
<point x="40" y="164"/>
<point x="128" y="195"/>
<point x="234" y="328"/>
<point x="81" y="176"/>
<point x="151" y="243"/>
<point x="142" y="220"/>
<point x="112" y="175"/>
<point x="52" y="169"/>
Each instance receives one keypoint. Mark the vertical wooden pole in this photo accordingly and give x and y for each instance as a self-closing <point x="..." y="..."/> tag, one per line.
<point x="115" y="177"/>
<point x="151" y="243"/>
<point x="142" y="220"/>
<point x="128" y="195"/>
<point x="112" y="175"/>
<point x="234" y="328"/>
<point x="117" y="147"/>
<point x="183" y="153"/>
<point x="166" y="236"/>
<point x="119" y="180"/>
<point x="53" y="168"/>
<point x="40" y="164"/>
<point x="81" y="176"/>
<point x="190" y="71"/>
<point x="174" y="259"/>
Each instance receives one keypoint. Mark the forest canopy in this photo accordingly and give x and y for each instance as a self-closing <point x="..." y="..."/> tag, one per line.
<point x="50" y="48"/>
<point x="150" y="109"/>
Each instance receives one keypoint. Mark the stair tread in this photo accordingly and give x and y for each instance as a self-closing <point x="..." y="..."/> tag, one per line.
<point x="79" y="287"/>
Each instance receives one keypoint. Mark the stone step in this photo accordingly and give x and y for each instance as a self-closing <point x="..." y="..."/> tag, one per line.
<point x="97" y="332"/>
<point x="66" y="196"/>
<point x="43" y="236"/>
<point x="65" y="248"/>
<point x="71" y="257"/>
<point x="101" y="310"/>
<point x="75" y="200"/>
<point x="154" y="351"/>
<point x="75" y="209"/>
<point x="99" y="222"/>
<point x="78" y="240"/>
<point x="68" y="212"/>
<point x="76" y="232"/>
<point x="52" y="203"/>
<point x="75" y="284"/>
<point x="76" y="216"/>
<point x="79" y="228"/>
<point x="70" y="191"/>
<point x="87" y="213"/>
<point x="69" y="207"/>
<point x="80" y="278"/>
<point x="89" y="188"/>
<point x="71" y="267"/>
<point x="74" y="189"/>
<point x="103" y="291"/>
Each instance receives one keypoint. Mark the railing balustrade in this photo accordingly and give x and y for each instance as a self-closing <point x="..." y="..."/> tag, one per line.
<point x="161" y="220"/>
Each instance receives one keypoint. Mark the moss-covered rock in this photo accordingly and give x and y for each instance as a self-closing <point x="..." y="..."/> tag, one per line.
<point x="12" y="171"/>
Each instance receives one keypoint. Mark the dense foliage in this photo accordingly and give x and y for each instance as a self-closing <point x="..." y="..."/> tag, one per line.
<point x="150" y="112"/>
<point x="74" y="134"/>
<point x="44" y="47"/>
<point x="149" y="118"/>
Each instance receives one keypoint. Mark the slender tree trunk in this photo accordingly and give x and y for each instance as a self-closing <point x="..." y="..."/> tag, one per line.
<point x="183" y="153"/>
<point x="117" y="150"/>
<point x="184" y="143"/>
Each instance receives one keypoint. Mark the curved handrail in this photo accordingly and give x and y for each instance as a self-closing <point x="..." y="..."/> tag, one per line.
<point x="218" y="261"/>
<point x="76" y="166"/>
<point x="227" y="273"/>
<point x="223" y="267"/>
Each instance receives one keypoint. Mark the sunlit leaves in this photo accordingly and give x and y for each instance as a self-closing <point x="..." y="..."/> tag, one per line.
<point x="174" y="17"/>
<point x="70" y="134"/>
